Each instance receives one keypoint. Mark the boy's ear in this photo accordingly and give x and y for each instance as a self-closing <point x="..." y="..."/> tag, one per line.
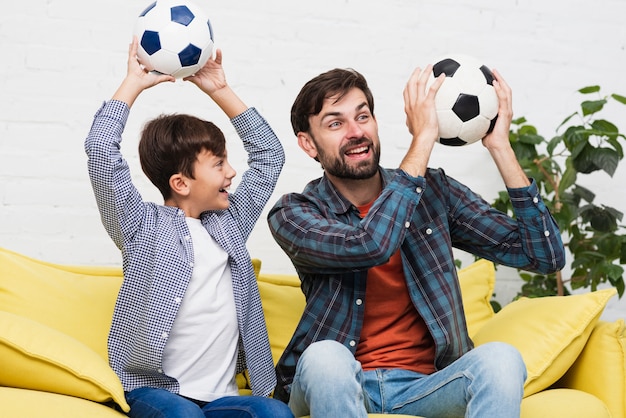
<point x="307" y="144"/>
<point x="179" y="184"/>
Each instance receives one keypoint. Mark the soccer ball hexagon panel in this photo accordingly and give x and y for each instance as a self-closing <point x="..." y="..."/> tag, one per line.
<point x="175" y="37"/>
<point x="467" y="104"/>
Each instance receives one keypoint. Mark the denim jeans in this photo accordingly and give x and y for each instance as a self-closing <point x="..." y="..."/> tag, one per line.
<point x="486" y="382"/>
<point x="159" y="403"/>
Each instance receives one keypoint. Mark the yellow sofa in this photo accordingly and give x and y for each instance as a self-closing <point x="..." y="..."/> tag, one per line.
<point x="54" y="321"/>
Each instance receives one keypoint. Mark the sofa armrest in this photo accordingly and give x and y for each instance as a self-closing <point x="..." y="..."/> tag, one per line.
<point x="38" y="357"/>
<point x="600" y="369"/>
<point x="20" y="403"/>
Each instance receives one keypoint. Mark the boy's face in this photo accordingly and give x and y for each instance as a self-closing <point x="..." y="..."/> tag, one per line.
<point x="213" y="175"/>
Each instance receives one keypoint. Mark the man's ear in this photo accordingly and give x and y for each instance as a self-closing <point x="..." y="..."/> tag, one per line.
<point x="307" y="144"/>
<point x="179" y="184"/>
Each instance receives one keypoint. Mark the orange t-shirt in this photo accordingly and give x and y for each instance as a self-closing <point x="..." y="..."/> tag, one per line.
<point x="393" y="335"/>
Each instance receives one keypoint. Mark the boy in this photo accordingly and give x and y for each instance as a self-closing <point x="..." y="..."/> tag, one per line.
<point x="188" y="315"/>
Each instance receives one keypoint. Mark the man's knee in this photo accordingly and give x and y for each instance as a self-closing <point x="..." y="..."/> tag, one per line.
<point x="327" y="359"/>
<point x="503" y="363"/>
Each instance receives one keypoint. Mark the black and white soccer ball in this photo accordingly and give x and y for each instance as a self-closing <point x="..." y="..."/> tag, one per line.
<point x="175" y="38"/>
<point x="467" y="104"/>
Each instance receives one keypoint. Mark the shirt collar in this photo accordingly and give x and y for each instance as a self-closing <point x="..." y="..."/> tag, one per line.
<point x="336" y="201"/>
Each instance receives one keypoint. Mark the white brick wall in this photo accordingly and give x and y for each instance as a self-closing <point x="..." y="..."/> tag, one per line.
<point x="62" y="58"/>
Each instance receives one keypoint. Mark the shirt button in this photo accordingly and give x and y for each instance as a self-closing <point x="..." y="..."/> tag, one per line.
<point x="535" y="199"/>
<point x="352" y="343"/>
<point x="164" y="335"/>
<point x="546" y="233"/>
<point x="178" y="300"/>
<point x="429" y="231"/>
<point x="418" y="189"/>
<point x="187" y="237"/>
<point x="407" y="224"/>
<point x="160" y="371"/>
<point x="359" y="302"/>
<point x="191" y="265"/>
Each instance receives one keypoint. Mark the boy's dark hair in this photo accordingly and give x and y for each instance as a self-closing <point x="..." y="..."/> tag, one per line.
<point x="311" y="98"/>
<point x="170" y="144"/>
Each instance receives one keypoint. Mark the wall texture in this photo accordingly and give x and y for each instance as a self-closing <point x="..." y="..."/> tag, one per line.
<point x="62" y="58"/>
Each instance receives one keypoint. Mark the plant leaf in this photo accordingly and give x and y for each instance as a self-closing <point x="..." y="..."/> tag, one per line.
<point x="575" y="139"/>
<point x="566" y="120"/>
<point x="582" y="161"/>
<point x="590" y="107"/>
<point x="554" y="142"/>
<point x="613" y="271"/>
<point x="619" y="215"/>
<point x="605" y="127"/>
<point x="532" y="139"/>
<point x="589" y="89"/>
<point x="584" y="193"/>
<point x="606" y="159"/>
<point x="569" y="178"/>
<point x="619" y="98"/>
<point x="616" y="146"/>
<point x="600" y="219"/>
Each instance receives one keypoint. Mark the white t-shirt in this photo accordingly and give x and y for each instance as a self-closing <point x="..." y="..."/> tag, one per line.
<point x="201" y="351"/>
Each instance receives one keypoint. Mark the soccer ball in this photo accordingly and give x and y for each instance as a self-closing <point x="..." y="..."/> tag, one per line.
<point x="175" y="38"/>
<point x="467" y="104"/>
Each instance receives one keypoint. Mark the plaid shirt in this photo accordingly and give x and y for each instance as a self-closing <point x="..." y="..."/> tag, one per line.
<point x="332" y="248"/>
<point x="158" y="254"/>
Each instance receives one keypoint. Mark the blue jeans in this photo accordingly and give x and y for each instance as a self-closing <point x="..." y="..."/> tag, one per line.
<point x="159" y="403"/>
<point x="486" y="382"/>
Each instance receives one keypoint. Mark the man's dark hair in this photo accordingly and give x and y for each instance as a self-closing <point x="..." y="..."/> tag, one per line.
<point x="170" y="144"/>
<point x="311" y="98"/>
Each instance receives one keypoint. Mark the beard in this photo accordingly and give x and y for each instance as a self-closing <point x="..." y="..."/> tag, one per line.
<point x="338" y="167"/>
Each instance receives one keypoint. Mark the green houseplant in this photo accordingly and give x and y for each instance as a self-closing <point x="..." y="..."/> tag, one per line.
<point x="592" y="232"/>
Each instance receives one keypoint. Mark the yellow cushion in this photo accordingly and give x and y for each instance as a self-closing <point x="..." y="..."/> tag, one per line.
<point x="563" y="403"/>
<point x="549" y="332"/>
<point x="35" y="356"/>
<point x="600" y="369"/>
<point x="477" y="282"/>
<point x="283" y="303"/>
<point x="77" y="301"/>
<point x="21" y="403"/>
<point x="256" y="266"/>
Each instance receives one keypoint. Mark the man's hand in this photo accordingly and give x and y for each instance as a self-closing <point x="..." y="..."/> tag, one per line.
<point x="421" y="119"/>
<point x="497" y="142"/>
<point x="499" y="137"/>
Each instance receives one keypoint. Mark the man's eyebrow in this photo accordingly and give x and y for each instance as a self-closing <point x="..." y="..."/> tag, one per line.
<point x="358" y="109"/>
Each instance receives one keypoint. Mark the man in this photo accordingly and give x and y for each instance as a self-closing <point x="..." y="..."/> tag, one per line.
<point x="383" y="329"/>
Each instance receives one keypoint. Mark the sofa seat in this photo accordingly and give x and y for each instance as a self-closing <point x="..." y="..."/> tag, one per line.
<point x="54" y="322"/>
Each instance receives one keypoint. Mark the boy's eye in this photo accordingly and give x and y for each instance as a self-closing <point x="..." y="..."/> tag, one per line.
<point x="334" y="124"/>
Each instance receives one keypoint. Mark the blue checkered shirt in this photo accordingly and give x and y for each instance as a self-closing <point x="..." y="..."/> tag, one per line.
<point x="158" y="255"/>
<point x="332" y="249"/>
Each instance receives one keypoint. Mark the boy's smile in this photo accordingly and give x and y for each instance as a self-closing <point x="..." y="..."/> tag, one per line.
<point x="209" y="189"/>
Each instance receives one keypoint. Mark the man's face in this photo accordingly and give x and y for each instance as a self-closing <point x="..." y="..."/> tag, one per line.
<point x="344" y="137"/>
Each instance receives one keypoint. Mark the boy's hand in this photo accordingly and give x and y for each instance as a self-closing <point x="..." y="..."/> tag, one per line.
<point x="210" y="78"/>
<point x="137" y="78"/>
